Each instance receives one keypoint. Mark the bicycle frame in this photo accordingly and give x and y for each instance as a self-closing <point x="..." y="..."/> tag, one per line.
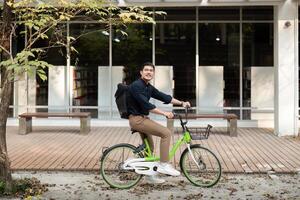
<point x="186" y="138"/>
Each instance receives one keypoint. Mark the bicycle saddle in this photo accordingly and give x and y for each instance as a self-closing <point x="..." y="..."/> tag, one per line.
<point x="133" y="131"/>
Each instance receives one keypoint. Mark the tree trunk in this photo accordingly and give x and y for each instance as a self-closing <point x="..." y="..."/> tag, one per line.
<point x="5" y="173"/>
<point x="5" y="94"/>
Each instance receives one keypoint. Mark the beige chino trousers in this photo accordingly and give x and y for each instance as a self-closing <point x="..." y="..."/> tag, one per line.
<point x="147" y="127"/>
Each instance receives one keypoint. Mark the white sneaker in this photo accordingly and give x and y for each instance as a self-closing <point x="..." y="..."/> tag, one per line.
<point x="154" y="179"/>
<point x="166" y="168"/>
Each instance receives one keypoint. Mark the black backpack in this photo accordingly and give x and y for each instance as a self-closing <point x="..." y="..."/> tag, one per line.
<point x="121" y="100"/>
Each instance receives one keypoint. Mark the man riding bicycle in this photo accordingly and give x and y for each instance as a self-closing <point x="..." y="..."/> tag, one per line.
<point x="140" y="92"/>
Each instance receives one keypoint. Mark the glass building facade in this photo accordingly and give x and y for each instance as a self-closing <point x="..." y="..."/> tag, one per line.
<point x="224" y="56"/>
<point x="205" y="55"/>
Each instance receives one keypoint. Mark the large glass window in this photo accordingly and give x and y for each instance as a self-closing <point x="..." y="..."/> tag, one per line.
<point x="55" y="51"/>
<point x="42" y="91"/>
<point x="177" y="14"/>
<point x="175" y="54"/>
<point x="218" y="13"/>
<point x="132" y="50"/>
<point x="219" y="65"/>
<point x="18" y="44"/>
<point x="129" y="52"/>
<point x="92" y="52"/>
<point x="93" y="81"/>
<point x="258" y="62"/>
<point x="258" y="13"/>
<point x="55" y="54"/>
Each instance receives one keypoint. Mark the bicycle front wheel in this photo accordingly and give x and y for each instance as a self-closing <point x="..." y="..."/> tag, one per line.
<point x="202" y="168"/>
<point x="111" y="166"/>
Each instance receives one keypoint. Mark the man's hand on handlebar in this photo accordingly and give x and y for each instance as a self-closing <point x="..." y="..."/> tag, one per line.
<point x="186" y="104"/>
<point x="169" y="115"/>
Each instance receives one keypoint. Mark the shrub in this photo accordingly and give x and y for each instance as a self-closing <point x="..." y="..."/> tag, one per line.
<point x="28" y="187"/>
<point x="2" y="188"/>
<point x="24" y="188"/>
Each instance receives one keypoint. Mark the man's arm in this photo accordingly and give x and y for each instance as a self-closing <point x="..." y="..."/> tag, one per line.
<point x="168" y="99"/>
<point x="180" y="103"/>
<point x="161" y="112"/>
<point x="170" y="114"/>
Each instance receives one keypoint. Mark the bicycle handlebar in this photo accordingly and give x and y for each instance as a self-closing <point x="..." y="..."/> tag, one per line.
<point x="198" y="135"/>
<point x="180" y="118"/>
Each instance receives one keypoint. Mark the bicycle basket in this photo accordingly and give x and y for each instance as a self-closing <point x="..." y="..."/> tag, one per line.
<point x="201" y="133"/>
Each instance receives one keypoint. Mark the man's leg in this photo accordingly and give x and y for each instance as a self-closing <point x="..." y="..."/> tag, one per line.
<point x="146" y="125"/>
<point x="153" y="178"/>
<point x="149" y="139"/>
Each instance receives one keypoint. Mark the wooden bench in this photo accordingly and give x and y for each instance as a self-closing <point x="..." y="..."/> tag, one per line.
<point x="25" y="120"/>
<point x="231" y="121"/>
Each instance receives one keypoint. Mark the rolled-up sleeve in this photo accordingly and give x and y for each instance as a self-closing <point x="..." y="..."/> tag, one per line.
<point x="156" y="94"/>
<point x="139" y="95"/>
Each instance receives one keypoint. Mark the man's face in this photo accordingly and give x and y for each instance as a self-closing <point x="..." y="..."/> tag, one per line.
<point x="147" y="73"/>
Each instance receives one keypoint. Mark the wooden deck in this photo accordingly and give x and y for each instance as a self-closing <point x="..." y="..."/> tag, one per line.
<point x="63" y="148"/>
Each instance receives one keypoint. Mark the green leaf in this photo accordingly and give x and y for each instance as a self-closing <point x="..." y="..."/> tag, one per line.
<point x="44" y="36"/>
<point x="42" y="76"/>
<point x="10" y="4"/>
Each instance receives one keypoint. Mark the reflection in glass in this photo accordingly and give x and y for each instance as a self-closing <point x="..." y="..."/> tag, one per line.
<point x="129" y="52"/>
<point x="55" y="51"/>
<point x="173" y="14"/>
<point x="257" y="44"/>
<point x="258" y="13"/>
<point x="94" y="112"/>
<point x="246" y="114"/>
<point x="257" y="63"/>
<point x="11" y="112"/>
<point x="219" y="13"/>
<point x="175" y="48"/>
<point x="132" y="50"/>
<point x="91" y="45"/>
<point x="42" y="90"/>
<point x="219" y="50"/>
<point x="55" y="54"/>
<point x="91" y="52"/>
<point x="18" y="44"/>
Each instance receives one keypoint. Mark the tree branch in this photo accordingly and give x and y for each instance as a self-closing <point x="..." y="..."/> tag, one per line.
<point x="6" y="51"/>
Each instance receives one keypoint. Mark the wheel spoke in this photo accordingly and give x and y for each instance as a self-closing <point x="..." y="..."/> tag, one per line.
<point x="209" y="171"/>
<point x="111" y="167"/>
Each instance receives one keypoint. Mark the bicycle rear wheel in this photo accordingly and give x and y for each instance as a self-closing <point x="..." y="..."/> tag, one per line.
<point x="206" y="172"/>
<point x="111" y="166"/>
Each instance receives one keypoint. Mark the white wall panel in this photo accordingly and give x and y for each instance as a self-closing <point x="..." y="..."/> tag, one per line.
<point x="262" y="91"/>
<point x="164" y="82"/>
<point x="211" y="88"/>
<point x="104" y="85"/>
<point x="56" y="89"/>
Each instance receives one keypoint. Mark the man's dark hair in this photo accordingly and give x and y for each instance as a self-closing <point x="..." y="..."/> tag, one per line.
<point x="146" y="64"/>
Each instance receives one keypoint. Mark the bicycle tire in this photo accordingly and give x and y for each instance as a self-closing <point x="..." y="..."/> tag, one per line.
<point x="117" y="177"/>
<point x="210" y="172"/>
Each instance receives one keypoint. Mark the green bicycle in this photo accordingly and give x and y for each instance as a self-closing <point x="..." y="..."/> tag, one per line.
<point x="123" y="165"/>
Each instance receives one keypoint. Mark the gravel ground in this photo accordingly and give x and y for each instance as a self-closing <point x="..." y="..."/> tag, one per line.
<point x="82" y="185"/>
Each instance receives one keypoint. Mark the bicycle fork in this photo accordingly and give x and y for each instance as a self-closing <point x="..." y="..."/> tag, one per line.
<point x="192" y="155"/>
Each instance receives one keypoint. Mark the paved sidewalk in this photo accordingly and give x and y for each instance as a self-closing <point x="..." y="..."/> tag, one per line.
<point x="75" y="186"/>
